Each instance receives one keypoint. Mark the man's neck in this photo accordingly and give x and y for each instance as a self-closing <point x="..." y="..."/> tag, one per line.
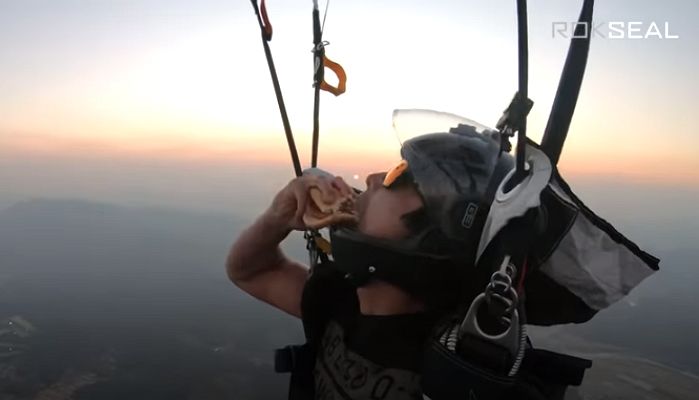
<point x="382" y="298"/>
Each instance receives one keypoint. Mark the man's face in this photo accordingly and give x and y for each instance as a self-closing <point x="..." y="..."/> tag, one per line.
<point x="380" y="209"/>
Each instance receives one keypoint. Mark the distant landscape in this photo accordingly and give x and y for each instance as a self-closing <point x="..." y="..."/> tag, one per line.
<point x="134" y="303"/>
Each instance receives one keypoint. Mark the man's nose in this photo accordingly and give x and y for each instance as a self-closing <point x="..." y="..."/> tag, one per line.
<point x="375" y="179"/>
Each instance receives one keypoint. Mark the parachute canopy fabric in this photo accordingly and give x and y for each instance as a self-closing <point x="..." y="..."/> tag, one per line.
<point x="580" y="265"/>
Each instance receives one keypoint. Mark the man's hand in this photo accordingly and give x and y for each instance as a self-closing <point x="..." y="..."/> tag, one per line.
<point x="290" y="203"/>
<point x="257" y="265"/>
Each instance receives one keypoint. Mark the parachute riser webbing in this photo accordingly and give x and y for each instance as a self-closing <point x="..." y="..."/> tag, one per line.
<point x="266" y="32"/>
<point x="514" y="119"/>
<point x="569" y="87"/>
<point x="320" y="62"/>
<point x="523" y="85"/>
<point x="318" y="76"/>
<point x="515" y="239"/>
<point x="316" y="244"/>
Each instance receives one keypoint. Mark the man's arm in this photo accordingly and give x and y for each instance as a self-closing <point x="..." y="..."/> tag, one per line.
<point x="256" y="263"/>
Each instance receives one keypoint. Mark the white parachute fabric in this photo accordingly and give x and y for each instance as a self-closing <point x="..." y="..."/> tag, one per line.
<point x="586" y="264"/>
<point x="592" y="260"/>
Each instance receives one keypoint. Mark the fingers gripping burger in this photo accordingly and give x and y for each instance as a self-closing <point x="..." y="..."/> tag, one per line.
<point x="330" y="208"/>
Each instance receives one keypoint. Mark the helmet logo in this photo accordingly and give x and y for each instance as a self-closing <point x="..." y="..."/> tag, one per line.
<point x="469" y="216"/>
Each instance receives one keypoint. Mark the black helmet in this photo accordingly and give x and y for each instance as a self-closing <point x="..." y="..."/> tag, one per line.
<point x="457" y="172"/>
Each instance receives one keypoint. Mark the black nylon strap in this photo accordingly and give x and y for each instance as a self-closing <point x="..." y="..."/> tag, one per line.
<point x="545" y="375"/>
<point x="278" y="92"/>
<point x="318" y="76"/>
<point x="523" y="83"/>
<point x="447" y="376"/>
<point x="294" y="359"/>
<point x="569" y="87"/>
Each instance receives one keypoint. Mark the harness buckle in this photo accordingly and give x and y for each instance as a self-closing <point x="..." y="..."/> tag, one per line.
<point x="512" y="118"/>
<point x="293" y="358"/>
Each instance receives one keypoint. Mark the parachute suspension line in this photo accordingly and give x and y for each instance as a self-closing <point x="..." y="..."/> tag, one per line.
<point x="317" y="246"/>
<point x="318" y="76"/>
<point x="523" y="85"/>
<point x="266" y="30"/>
<point x="568" y="87"/>
<point x="320" y="62"/>
<point x="325" y="16"/>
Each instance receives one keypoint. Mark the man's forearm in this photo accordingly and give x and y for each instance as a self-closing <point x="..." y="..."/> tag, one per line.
<point x="256" y="250"/>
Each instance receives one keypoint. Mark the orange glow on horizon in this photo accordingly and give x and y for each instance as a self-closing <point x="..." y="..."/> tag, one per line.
<point x="344" y="157"/>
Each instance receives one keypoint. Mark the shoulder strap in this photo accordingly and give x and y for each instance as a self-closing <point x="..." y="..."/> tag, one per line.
<point x="326" y="294"/>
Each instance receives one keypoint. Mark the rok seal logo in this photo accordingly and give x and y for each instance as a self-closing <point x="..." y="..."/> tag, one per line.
<point x="613" y="30"/>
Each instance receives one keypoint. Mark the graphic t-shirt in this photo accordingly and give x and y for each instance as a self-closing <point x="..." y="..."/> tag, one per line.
<point x="372" y="357"/>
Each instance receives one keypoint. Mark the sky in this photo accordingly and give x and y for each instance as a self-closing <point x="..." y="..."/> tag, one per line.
<point x="127" y="99"/>
<point x="169" y="103"/>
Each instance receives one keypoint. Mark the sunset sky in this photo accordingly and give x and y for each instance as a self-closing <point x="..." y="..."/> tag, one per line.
<point x="174" y="80"/>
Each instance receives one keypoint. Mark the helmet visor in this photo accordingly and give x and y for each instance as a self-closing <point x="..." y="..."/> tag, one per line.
<point x="410" y="123"/>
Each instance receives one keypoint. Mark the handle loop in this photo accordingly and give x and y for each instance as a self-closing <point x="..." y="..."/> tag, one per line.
<point x="341" y="77"/>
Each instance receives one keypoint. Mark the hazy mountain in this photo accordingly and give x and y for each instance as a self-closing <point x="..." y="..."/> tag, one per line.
<point x="136" y="297"/>
<point x="134" y="303"/>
